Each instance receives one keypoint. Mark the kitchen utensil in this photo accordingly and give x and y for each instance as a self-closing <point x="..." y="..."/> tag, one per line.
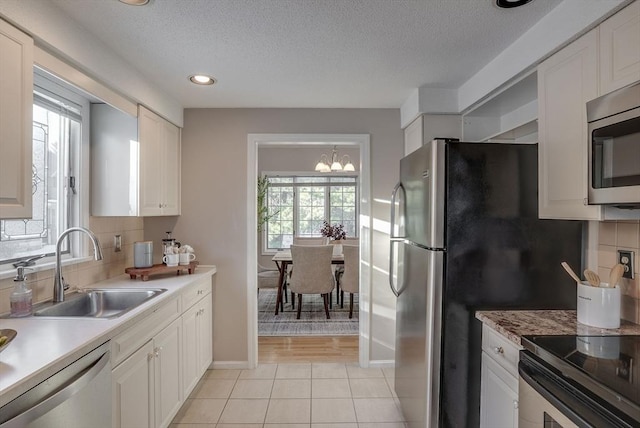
<point x="9" y="334"/>
<point x="143" y="254"/>
<point x="570" y="271"/>
<point x="616" y="273"/>
<point x="592" y="278"/>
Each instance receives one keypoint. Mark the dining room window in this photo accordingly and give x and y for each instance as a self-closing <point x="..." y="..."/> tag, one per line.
<point x="299" y="204"/>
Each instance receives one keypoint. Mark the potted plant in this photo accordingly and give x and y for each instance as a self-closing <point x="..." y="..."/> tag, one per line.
<point x="263" y="209"/>
<point x="334" y="232"/>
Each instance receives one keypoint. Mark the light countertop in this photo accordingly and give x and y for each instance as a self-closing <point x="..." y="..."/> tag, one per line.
<point x="45" y="345"/>
<point x="515" y="324"/>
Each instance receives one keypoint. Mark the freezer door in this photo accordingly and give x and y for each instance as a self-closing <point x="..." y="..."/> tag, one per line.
<point x="422" y="175"/>
<point x="418" y="328"/>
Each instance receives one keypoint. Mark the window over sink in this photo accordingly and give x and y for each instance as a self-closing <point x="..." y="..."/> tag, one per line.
<point x="58" y="133"/>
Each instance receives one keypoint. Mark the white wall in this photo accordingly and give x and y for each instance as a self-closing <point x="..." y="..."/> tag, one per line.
<point x="213" y="220"/>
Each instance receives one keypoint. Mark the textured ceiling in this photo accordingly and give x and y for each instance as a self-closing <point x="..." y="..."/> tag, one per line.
<point x="305" y="53"/>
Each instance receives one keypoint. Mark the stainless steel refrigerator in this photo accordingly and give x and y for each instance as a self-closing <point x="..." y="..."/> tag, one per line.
<point x="466" y="237"/>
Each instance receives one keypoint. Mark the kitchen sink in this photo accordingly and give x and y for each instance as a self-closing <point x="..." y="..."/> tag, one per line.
<point x="98" y="303"/>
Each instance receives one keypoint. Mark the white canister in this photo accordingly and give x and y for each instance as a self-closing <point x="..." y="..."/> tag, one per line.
<point x="599" y="306"/>
<point x="143" y="254"/>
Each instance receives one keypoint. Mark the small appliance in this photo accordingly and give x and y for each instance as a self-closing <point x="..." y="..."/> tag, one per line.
<point x="614" y="155"/>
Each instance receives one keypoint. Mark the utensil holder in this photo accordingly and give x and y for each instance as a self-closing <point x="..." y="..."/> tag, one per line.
<point x="599" y="306"/>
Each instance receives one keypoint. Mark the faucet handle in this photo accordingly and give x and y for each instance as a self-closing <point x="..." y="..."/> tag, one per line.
<point x="29" y="261"/>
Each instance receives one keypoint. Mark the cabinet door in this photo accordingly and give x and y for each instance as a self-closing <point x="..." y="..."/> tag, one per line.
<point x="132" y="390"/>
<point x="168" y="373"/>
<point x="413" y="136"/>
<point x="205" y="334"/>
<point x="620" y="49"/>
<point x="151" y="181"/>
<point x="498" y="396"/>
<point x="566" y="81"/>
<point x="190" y="354"/>
<point x="171" y="159"/>
<point x="16" y="122"/>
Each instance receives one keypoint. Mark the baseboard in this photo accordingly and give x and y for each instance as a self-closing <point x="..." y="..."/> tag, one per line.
<point x="382" y="364"/>
<point x="221" y="365"/>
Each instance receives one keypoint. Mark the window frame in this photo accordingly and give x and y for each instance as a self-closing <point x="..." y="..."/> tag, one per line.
<point x="78" y="213"/>
<point x="327" y="206"/>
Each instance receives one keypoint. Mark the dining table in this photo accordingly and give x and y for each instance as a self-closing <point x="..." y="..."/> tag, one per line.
<point x="283" y="259"/>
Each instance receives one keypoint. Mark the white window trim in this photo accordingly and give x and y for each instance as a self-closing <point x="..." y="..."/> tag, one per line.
<point x="80" y="210"/>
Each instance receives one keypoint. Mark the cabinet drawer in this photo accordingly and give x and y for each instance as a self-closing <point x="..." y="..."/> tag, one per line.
<point x="501" y="349"/>
<point x="128" y="342"/>
<point x="195" y="292"/>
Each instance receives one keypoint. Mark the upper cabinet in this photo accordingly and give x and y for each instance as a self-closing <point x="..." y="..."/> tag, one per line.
<point x="135" y="163"/>
<point x="605" y="59"/>
<point x="566" y="81"/>
<point x="159" y="165"/>
<point x="620" y="49"/>
<point x="16" y="122"/>
<point x="426" y="127"/>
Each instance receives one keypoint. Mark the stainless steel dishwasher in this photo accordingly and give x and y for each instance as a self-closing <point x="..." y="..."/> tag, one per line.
<point x="78" y="396"/>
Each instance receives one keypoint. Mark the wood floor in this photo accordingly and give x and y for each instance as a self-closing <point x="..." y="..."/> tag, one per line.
<point x="305" y="349"/>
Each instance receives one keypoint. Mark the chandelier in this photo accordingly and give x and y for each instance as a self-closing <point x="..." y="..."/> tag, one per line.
<point x="336" y="164"/>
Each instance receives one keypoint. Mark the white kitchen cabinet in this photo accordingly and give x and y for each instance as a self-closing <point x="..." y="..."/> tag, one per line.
<point x="159" y="165"/>
<point x="168" y="373"/>
<point x="566" y="81"/>
<point x="499" y="387"/>
<point x="146" y="386"/>
<point x="620" y="49"/>
<point x="135" y="163"/>
<point x="426" y="127"/>
<point x="133" y="390"/>
<point x="16" y="122"/>
<point x="197" y="337"/>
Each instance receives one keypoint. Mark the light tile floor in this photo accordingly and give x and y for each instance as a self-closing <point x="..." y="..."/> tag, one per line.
<point x="311" y="395"/>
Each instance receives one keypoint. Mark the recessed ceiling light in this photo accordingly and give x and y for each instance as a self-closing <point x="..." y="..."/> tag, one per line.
<point x="135" y="2"/>
<point x="508" y="4"/>
<point x="202" y="79"/>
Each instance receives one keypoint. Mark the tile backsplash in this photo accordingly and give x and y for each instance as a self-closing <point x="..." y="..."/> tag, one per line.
<point x="614" y="236"/>
<point x="131" y="229"/>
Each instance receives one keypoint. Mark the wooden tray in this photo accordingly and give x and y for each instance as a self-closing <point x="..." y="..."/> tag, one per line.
<point x="145" y="273"/>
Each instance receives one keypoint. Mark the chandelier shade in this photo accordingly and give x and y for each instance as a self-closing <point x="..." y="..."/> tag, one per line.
<point x="334" y="164"/>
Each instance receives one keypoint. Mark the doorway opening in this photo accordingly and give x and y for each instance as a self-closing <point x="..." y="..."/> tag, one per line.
<point x="281" y="155"/>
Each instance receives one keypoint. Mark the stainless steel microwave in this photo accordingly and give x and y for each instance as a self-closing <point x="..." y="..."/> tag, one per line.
<point x="614" y="152"/>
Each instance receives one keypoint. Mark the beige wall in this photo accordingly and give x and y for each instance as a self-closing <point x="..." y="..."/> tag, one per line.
<point x="614" y="236"/>
<point x="83" y="274"/>
<point x="214" y="201"/>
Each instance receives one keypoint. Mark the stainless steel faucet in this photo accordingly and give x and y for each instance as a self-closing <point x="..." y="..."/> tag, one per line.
<point x="59" y="285"/>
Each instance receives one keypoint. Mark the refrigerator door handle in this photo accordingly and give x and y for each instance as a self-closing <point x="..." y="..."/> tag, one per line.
<point x="393" y="239"/>
<point x="392" y="246"/>
<point x="397" y="187"/>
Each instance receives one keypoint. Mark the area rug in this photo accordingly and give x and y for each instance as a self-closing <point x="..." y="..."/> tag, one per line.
<point x="313" y="320"/>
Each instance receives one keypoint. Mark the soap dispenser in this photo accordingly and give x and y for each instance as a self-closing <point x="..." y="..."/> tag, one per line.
<point x="22" y="297"/>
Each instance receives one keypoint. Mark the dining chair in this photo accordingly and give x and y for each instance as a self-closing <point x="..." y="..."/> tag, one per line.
<point x="340" y="268"/>
<point x="310" y="240"/>
<point x="268" y="278"/>
<point x="350" y="278"/>
<point x="312" y="273"/>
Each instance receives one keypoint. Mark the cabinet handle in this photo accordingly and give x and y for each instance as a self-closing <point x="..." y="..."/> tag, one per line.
<point x="159" y="205"/>
<point x="149" y="357"/>
<point x="498" y="350"/>
<point x="515" y="404"/>
<point x="157" y="351"/>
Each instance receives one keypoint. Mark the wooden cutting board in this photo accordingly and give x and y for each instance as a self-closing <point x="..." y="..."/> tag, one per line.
<point x="145" y="273"/>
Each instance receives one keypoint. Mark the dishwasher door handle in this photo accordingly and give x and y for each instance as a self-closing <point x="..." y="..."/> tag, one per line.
<point x="63" y="393"/>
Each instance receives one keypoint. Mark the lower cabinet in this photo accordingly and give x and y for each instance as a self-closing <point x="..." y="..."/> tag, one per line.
<point x="197" y="342"/>
<point x="160" y="359"/>
<point x="499" y="389"/>
<point x="146" y="386"/>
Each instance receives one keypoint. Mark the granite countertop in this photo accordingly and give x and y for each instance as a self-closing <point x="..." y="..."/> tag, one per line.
<point x="515" y="324"/>
<point x="45" y="345"/>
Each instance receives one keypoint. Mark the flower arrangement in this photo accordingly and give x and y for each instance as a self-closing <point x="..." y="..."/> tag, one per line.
<point x="336" y="231"/>
<point x="185" y="249"/>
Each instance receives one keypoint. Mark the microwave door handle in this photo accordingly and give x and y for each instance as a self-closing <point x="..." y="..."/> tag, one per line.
<point x="393" y="239"/>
